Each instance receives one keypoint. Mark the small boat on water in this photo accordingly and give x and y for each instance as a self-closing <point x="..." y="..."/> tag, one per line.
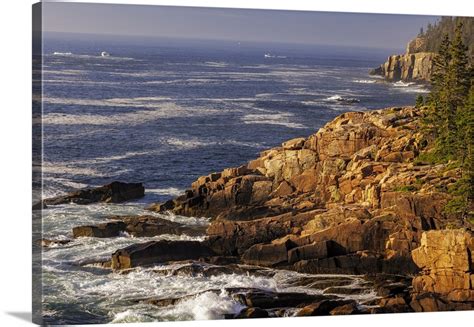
<point x="104" y="54"/>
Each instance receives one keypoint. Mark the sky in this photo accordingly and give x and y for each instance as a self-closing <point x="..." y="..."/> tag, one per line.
<point x="313" y="28"/>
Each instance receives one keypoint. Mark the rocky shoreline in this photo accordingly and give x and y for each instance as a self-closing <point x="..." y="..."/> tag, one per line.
<point x="351" y="199"/>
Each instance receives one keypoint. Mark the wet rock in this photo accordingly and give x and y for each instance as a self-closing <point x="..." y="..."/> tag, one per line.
<point x="322" y="308"/>
<point x="346" y="309"/>
<point x="112" y="229"/>
<point x="155" y="252"/>
<point x="268" y="300"/>
<point x="322" y="282"/>
<point x="98" y="263"/>
<point x="149" y="226"/>
<point x="252" y="313"/>
<point x="115" y="192"/>
<point x="162" y="302"/>
<point x="221" y="260"/>
<point x="137" y="226"/>
<point x="392" y="305"/>
<point x="194" y="269"/>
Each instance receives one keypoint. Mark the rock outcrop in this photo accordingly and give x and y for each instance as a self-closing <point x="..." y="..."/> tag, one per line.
<point x="348" y="199"/>
<point x="115" y="192"/>
<point x="353" y="198"/>
<point x="155" y="252"/>
<point x="446" y="281"/>
<point x="415" y="65"/>
<point x="136" y="226"/>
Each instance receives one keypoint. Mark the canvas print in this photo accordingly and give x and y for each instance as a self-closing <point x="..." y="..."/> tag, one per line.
<point x="200" y="163"/>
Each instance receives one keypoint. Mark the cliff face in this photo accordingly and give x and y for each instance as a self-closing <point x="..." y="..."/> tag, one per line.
<point x="411" y="66"/>
<point x="445" y="258"/>
<point x="348" y="199"/>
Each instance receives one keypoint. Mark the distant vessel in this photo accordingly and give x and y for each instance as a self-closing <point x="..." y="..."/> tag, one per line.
<point x="105" y="54"/>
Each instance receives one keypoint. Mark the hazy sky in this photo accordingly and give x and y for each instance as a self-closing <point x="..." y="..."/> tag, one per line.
<point x="365" y="30"/>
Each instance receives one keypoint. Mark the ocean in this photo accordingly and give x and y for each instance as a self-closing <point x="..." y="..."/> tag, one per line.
<point x="164" y="112"/>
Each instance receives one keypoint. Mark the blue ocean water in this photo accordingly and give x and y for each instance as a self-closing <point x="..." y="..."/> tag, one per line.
<point x="164" y="112"/>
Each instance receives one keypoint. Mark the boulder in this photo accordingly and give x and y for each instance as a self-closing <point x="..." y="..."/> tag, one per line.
<point x="111" y="229"/>
<point x="115" y="192"/>
<point x="149" y="226"/>
<point x="155" y="252"/>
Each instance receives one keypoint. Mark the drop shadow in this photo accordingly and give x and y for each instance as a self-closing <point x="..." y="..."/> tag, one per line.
<point x="22" y="315"/>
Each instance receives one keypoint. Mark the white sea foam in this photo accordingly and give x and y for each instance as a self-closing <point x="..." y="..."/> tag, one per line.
<point x="187" y="81"/>
<point x="63" y="168"/>
<point x="283" y="119"/>
<point x="402" y="84"/>
<point x="185" y="144"/>
<point x="334" y="98"/>
<point x="155" y="110"/>
<point x="78" y="82"/>
<point x="88" y="56"/>
<point x="57" y="53"/>
<point x="68" y="72"/>
<point x="409" y="87"/>
<point x="206" y="306"/>
<point x="342" y="99"/>
<point x="173" y="191"/>
<point x="141" y="102"/>
<point x="365" y="81"/>
<point x="66" y="282"/>
<point x="218" y="64"/>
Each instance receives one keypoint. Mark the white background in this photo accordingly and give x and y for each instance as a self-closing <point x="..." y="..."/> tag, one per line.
<point x="15" y="157"/>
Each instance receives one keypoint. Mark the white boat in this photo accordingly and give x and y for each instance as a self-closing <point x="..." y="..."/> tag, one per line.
<point x="104" y="54"/>
<point x="267" y="55"/>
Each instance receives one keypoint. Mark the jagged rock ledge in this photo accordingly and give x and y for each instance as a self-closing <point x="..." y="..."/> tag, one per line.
<point x="352" y="199"/>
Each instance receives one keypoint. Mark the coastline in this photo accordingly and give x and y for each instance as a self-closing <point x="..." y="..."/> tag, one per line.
<point x="348" y="200"/>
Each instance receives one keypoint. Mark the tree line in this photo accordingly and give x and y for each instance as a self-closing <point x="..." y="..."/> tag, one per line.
<point x="435" y="33"/>
<point x="449" y="114"/>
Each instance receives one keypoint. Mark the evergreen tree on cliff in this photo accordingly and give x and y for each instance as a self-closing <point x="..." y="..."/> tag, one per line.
<point x="436" y="117"/>
<point x="447" y="110"/>
<point x="449" y="115"/>
<point x="459" y="75"/>
<point x="469" y="139"/>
